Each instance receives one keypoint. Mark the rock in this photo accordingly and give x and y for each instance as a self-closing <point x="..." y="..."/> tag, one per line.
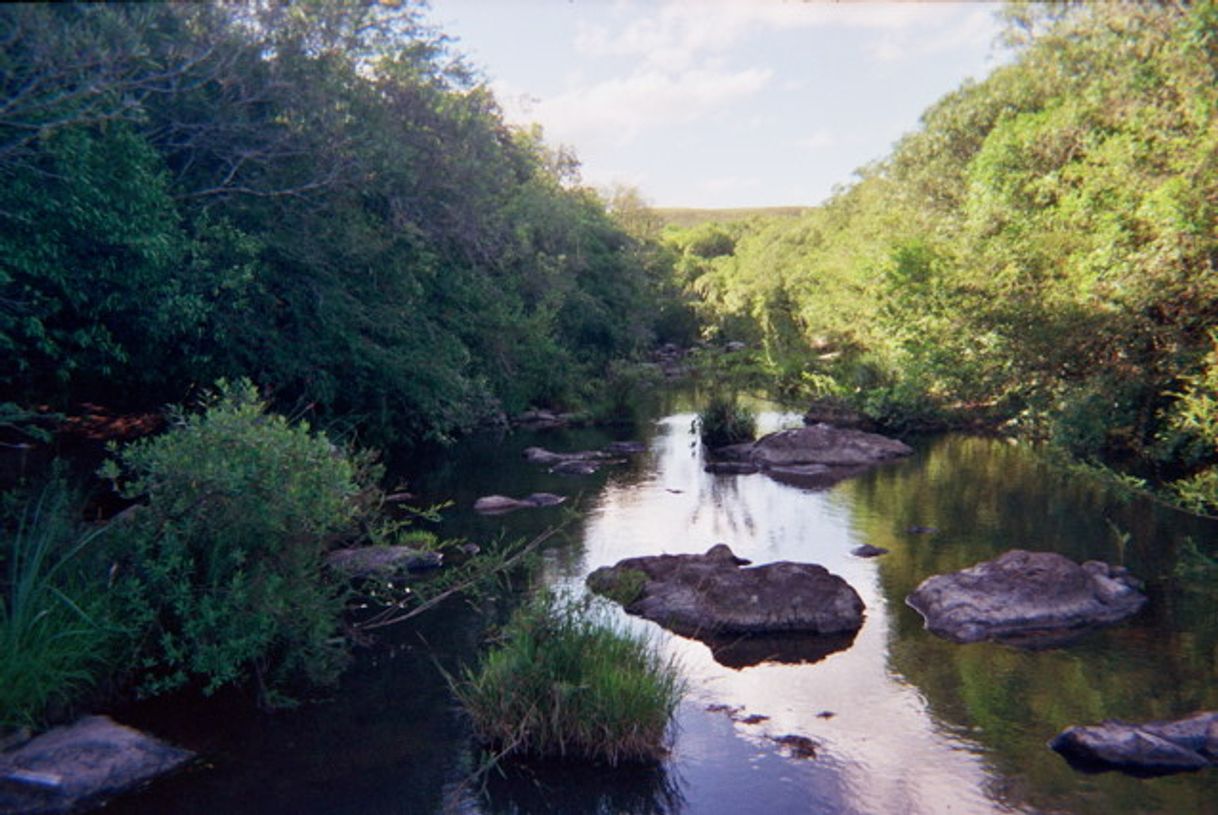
<point x="548" y="458"/>
<point x="81" y="764"/>
<point x="823" y="444"/>
<point x="625" y="448"/>
<point x="1150" y="748"/>
<point x="800" y="746"/>
<point x="731" y="467"/>
<point x="576" y="467"/>
<point x="838" y="414"/>
<point x="541" y="420"/>
<point x="1026" y="598"/>
<point x="382" y="561"/>
<point x="922" y="530"/>
<point x="712" y="598"/>
<point x="867" y="550"/>
<point x="500" y="504"/>
<point x="815" y="457"/>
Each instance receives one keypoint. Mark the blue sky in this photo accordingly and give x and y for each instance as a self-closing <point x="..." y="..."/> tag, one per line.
<point x="722" y="104"/>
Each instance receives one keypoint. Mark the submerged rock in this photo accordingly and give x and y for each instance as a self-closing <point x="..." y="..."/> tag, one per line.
<point x="382" y="561"/>
<point x="1026" y="598"/>
<point x="499" y="504"/>
<point x="1150" y="748"/>
<point x="625" y="448"/>
<point x="81" y="764"/>
<point x="867" y="550"/>
<point x="548" y="458"/>
<point x="712" y="598"/>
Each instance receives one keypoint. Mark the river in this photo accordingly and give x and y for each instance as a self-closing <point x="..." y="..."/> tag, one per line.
<point x="903" y="721"/>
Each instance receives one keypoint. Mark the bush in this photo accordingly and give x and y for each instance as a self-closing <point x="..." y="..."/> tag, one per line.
<point x="724" y="421"/>
<point x="224" y="562"/>
<point x="566" y="684"/>
<point x="52" y="641"/>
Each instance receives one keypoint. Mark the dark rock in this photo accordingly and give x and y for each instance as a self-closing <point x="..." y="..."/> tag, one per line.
<point x="500" y="504"/>
<point x="838" y="414"/>
<point x="922" y="530"/>
<point x="867" y="550"/>
<point x="541" y="420"/>
<point x="731" y="467"/>
<point x="1026" y="598"/>
<point x="800" y="746"/>
<point x="712" y="598"/>
<point x="823" y="444"/>
<point x="81" y="764"/>
<point x="1152" y="748"/>
<point x="382" y="561"/>
<point x="625" y="448"/>
<point x="815" y="457"/>
<point x="576" y="467"/>
<point x="548" y="458"/>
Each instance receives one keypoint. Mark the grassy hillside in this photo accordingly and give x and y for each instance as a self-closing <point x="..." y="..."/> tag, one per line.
<point x="686" y="217"/>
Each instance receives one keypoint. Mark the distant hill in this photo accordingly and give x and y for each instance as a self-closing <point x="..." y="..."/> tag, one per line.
<point x="686" y="217"/>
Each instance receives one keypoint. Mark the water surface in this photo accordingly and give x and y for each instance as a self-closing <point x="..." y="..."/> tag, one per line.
<point x="904" y="722"/>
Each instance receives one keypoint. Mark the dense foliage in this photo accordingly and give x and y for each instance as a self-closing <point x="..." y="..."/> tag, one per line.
<point x="1042" y="251"/>
<point x="220" y="569"/>
<point x="318" y="196"/>
<point x="565" y="684"/>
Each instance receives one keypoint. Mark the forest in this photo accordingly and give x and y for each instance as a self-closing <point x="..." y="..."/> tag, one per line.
<point x="320" y="197"/>
<point x="1038" y="257"/>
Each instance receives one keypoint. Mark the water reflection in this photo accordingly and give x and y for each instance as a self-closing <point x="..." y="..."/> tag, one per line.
<point x="905" y="722"/>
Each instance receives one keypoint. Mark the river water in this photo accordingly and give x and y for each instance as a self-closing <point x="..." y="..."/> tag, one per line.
<point x="903" y="722"/>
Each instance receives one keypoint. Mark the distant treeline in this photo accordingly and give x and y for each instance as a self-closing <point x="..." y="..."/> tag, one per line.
<point x="684" y="217"/>
<point x="1042" y="252"/>
<point x="318" y="196"/>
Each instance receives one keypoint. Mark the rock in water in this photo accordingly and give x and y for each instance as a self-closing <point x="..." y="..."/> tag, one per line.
<point x="1151" y="748"/>
<point x="711" y="595"/>
<point x="382" y="561"/>
<point x="84" y="763"/>
<point x="815" y="457"/>
<point x="1026" y="598"/>
<point x="500" y="504"/>
<point x="867" y="550"/>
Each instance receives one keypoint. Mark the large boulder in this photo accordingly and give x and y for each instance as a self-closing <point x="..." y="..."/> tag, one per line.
<point x="81" y="764"/>
<point x="814" y="457"/>
<point x="1026" y="598"/>
<point x="712" y="596"/>
<point x="1149" y="748"/>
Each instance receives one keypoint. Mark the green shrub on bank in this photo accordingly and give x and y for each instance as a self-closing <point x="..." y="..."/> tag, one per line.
<point x="223" y="564"/>
<point x="568" y="685"/>
<point x="53" y="634"/>
<point x="725" y="421"/>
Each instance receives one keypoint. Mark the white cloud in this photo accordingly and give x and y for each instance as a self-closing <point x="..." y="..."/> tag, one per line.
<point x="616" y="110"/>
<point x="819" y="139"/>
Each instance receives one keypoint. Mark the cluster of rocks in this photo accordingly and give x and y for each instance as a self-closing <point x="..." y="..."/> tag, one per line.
<point x="671" y="361"/>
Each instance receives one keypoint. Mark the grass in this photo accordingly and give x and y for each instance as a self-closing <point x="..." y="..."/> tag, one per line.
<point x="49" y="643"/>
<point x="725" y="421"/>
<point x="566" y="683"/>
<point x="684" y="217"/>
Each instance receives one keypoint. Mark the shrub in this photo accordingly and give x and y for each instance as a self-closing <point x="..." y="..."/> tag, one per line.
<point x="724" y="421"/>
<point x="567" y="684"/>
<point x="224" y="562"/>
<point x="51" y="639"/>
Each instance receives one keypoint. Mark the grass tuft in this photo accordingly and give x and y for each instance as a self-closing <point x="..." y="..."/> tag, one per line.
<point x="567" y="683"/>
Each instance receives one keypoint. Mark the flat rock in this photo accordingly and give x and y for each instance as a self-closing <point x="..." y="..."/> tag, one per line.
<point x="81" y="764"/>
<point x="625" y="448"/>
<point x="712" y="597"/>
<point x="1150" y="748"/>
<point x="814" y="457"/>
<point x="500" y="504"/>
<point x="1026" y="598"/>
<point x="382" y="561"/>
<point x="548" y="458"/>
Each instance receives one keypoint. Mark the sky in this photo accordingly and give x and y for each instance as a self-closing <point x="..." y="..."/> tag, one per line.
<point x="722" y="103"/>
